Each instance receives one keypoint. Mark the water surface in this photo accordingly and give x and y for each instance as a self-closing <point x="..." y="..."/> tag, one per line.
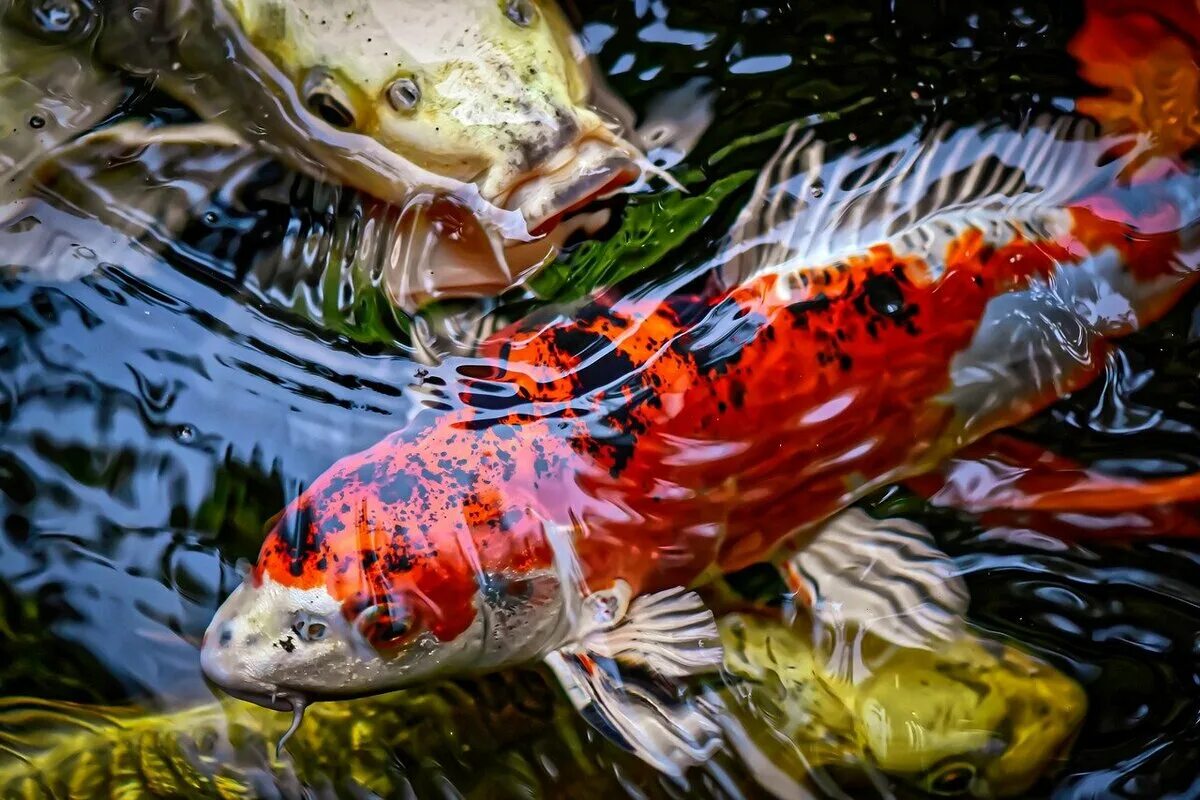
<point x="157" y="413"/>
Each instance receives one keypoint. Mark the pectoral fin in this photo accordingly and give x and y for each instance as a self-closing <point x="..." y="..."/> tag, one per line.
<point x="886" y="577"/>
<point x="670" y="633"/>
<point x="620" y="675"/>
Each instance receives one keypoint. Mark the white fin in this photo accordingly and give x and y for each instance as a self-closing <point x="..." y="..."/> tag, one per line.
<point x="147" y="182"/>
<point x="918" y="193"/>
<point x="886" y="577"/>
<point x="670" y="632"/>
<point x="620" y="674"/>
<point x="665" y="728"/>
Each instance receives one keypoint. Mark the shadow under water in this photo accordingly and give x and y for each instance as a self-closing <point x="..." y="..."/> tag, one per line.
<point x="156" y="413"/>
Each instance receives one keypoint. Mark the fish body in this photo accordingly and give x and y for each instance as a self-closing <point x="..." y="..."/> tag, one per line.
<point x="874" y="316"/>
<point x="974" y="718"/>
<point x="471" y="115"/>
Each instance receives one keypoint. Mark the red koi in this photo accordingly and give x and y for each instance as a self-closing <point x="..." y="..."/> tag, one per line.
<point x="667" y="435"/>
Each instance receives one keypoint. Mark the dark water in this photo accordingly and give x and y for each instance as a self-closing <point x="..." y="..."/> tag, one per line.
<point x="155" y="415"/>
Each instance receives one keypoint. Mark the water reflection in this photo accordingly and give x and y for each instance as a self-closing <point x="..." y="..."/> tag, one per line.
<point x="139" y="396"/>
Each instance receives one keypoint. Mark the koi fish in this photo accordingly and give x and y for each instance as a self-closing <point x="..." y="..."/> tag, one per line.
<point x="470" y="115"/>
<point x="973" y="718"/>
<point x="563" y="492"/>
<point x="989" y="717"/>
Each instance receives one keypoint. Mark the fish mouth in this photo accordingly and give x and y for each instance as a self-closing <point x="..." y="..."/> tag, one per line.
<point x="242" y="687"/>
<point x="277" y="700"/>
<point x="597" y="169"/>
<point x="235" y="683"/>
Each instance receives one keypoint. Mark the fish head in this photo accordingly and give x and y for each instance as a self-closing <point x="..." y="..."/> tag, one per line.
<point x="491" y="93"/>
<point x="974" y="718"/>
<point x="395" y="567"/>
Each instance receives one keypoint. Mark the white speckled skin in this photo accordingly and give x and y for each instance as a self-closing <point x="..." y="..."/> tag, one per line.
<point x="253" y="650"/>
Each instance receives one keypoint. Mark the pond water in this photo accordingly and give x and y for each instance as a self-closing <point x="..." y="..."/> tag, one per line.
<point x="156" y="413"/>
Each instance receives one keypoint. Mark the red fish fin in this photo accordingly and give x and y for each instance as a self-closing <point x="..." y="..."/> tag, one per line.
<point x="1009" y="482"/>
<point x="1143" y="58"/>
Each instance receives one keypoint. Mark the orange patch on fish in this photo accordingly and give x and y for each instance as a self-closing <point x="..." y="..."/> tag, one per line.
<point x="1144" y="57"/>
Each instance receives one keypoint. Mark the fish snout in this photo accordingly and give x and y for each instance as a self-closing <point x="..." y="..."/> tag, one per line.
<point x="227" y="652"/>
<point x="597" y="168"/>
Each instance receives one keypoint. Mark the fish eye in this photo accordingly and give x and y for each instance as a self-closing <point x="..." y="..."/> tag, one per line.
<point x="385" y="624"/>
<point x="521" y="12"/>
<point x="404" y="94"/>
<point x="67" y="21"/>
<point x="326" y="99"/>
<point x="309" y="629"/>
<point x="952" y="780"/>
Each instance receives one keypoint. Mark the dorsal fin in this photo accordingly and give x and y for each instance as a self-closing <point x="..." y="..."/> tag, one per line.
<point x="918" y="192"/>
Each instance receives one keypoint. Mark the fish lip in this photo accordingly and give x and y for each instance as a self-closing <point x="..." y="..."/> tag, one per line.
<point x="241" y="687"/>
<point x="545" y="199"/>
<point x="276" y="701"/>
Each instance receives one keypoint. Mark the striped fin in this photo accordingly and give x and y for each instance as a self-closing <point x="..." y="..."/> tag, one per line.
<point x="621" y="674"/>
<point x="671" y="632"/>
<point x="658" y="722"/>
<point x="918" y="193"/>
<point x="886" y="577"/>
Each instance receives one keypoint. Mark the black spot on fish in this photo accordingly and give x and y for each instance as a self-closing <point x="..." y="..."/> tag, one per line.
<point x="884" y="295"/>
<point x="288" y="644"/>
<point x="737" y="393"/>
<point x="602" y="364"/>
<point x="802" y="310"/>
